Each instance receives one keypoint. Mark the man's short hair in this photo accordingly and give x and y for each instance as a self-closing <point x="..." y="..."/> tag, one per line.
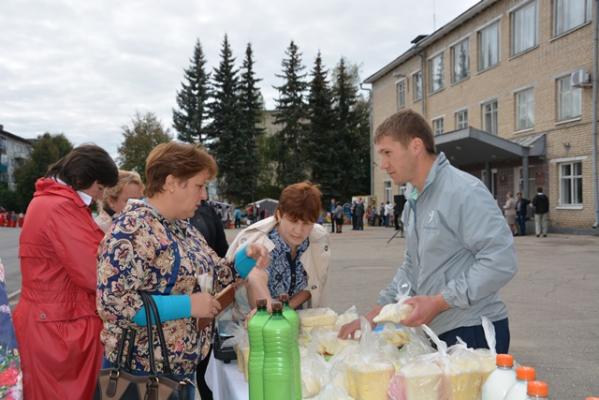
<point x="405" y="125"/>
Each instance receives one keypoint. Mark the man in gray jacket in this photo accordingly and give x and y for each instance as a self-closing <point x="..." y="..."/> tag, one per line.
<point x="459" y="249"/>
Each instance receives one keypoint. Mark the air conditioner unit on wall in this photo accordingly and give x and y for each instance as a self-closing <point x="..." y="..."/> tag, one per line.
<point x="580" y="78"/>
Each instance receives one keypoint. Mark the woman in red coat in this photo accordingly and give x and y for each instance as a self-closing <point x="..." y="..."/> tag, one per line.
<point x="57" y="327"/>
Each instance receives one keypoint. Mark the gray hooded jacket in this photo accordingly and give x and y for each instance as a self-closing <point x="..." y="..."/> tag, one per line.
<point x="457" y="245"/>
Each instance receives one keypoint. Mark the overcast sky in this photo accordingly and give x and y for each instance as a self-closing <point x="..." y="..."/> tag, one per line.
<point x="84" y="68"/>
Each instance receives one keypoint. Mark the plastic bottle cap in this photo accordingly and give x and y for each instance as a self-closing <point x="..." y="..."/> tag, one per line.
<point x="276" y="306"/>
<point x="505" y="360"/>
<point x="284" y="298"/>
<point x="538" y="388"/>
<point x="261" y="303"/>
<point x="525" y="373"/>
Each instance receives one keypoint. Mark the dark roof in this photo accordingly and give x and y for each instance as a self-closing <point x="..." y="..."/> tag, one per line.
<point x="13" y="136"/>
<point x="421" y="43"/>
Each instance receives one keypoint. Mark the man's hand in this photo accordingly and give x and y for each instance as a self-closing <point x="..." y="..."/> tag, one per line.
<point x="259" y="253"/>
<point x="348" y="331"/>
<point x="426" y="308"/>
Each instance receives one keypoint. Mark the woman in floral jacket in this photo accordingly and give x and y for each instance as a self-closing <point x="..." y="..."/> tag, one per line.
<point x="152" y="248"/>
<point x="10" y="370"/>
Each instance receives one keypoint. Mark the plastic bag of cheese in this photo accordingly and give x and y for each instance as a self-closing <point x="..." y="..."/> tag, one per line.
<point x="397" y="311"/>
<point x="464" y="373"/>
<point x="351" y="314"/>
<point x="315" y="372"/>
<point x="323" y="318"/>
<point x="422" y="377"/>
<point x="327" y="343"/>
<point x="369" y="370"/>
<point x="418" y="345"/>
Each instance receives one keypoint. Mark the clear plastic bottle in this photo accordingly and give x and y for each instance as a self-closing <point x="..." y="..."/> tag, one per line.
<point x="523" y="376"/>
<point x="291" y="315"/>
<point x="256" y="358"/>
<point x="500" y="380"/>
<point x="537" y="390"/>
<point x="279" y="345"/>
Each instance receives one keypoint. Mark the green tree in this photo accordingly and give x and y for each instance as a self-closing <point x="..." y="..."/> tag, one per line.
<point x="352" y="132"/>
<point x="46" y="150"/>
<point x="291" y="114"/>
<point x="225" y="112"/>
<point x="320" y="143"/>
<point x="250" y="105"/>
<point x="191" y="99"/>
<point x="145" y="133"/>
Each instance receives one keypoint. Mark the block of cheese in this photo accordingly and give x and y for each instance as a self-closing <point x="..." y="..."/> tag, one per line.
<point x="395" y="337"/>
<point x="464" y="377"/>
<point x="369" y="381"/>
<point x="317" y="317"/>
<point x="393" y="312"/>
<point x="310" y="385"/>
<point x="419" y="380"/>
<point x="488" y="362"/>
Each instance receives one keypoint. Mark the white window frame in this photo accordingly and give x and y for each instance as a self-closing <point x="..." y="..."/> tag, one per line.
<point x="572" y="178"/>
<point x="573" y="94"/>
<point x="401" y="89"/>
<point x="494" y="131"/>
<point x="431" y="62"/>
<point x="461" y="123"/>
<point x="519" y="182"/>
<point x="417" y="89"/>
<point x="493" y="181"/>
<point x="520" y="109"/>
<point x="587" y="17"/>
<point x="438" y="125"/>
<point x="513" y="28"/>
<point x="388" y="187"/>
<point x="481" y="65"/>
<point x="454" y="78"/>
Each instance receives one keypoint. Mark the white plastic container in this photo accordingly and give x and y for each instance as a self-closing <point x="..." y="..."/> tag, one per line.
<point x="520" y="388"/>
<point x="501" y="380"/>
<point x="537" y="390"/>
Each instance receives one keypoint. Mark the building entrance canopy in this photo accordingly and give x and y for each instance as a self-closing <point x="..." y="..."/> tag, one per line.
<point x="471" y="146"/>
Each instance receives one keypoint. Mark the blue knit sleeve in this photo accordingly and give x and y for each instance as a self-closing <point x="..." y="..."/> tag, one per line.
<point x="169" y="307"/>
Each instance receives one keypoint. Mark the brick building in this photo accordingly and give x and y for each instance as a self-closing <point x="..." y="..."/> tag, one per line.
<point x="506" y="87"/>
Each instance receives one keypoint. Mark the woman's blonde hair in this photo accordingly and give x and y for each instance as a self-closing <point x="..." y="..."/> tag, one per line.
<point x="125" y="178"/>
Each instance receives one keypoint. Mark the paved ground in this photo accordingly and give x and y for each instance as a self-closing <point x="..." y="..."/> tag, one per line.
<point x="553" y="301"/>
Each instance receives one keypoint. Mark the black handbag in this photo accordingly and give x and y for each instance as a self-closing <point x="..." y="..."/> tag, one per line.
<point x="119" y="383"/>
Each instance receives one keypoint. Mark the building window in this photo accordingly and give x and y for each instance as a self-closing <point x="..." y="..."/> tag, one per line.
<point x="460" y="61"/>
<point x="438" y="126"/>
<point x="525" y="109"/>
<point x="435" y="65"/>
<point x="524" y="28"/>
<point x="401" y="93"/>
<point x="461" y="119"/>
<point x="417" y="85"/>
<point x="569" y="14"/>
<point x="532" y="190"/>
<point x="488" y="45"/>
<point x="569" y="99"/>
<point x="489" y="110"/>
<point x="570" y="188"/>
<point x="388" y="191"/>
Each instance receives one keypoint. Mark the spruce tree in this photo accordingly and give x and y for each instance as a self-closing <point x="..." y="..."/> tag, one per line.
<point x="226" y="144"/>
<point x="191" y="100"/>
<point x="250" y="102"/>
<point x="320" y="143"/>
<point x="291" y="114"/>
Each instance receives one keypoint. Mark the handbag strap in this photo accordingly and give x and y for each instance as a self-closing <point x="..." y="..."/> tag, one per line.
<point x="151" y="308"/>
<point x="148" y="313"/>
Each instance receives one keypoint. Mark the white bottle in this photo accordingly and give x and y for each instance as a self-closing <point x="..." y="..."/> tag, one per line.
<point x="500" y="380"/>
<point x="537" y="390"/>
<point x="519" y="390"/>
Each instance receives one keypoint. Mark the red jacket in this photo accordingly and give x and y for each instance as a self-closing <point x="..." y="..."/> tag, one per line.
<point x="57" y="327"/>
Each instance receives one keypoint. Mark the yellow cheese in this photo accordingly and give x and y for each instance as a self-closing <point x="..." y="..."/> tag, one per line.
<point x="465" y="378"/>
<point x="393" y="312"/>
<point x="369" y="381"/>
<point x="317" y="317"/>
<point x="421" y="380"/>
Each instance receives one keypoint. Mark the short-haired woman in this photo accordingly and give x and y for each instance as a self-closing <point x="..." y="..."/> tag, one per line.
<point x="115" y="198"/>
<point x="299" y="250"/>
<point x="56" y="323"/>
<point x="152" y="248"/>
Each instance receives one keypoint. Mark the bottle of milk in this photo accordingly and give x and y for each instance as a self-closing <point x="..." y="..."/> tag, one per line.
<point x="523" y="376"/>
<point x="501" y="380"/>
<point x="537" y="390"/>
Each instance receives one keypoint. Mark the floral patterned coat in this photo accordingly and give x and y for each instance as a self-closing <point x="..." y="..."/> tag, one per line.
<point x="139" y="254"/>
<point x="10" y="372"/>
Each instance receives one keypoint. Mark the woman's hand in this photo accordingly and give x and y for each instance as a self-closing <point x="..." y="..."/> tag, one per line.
<point x="203" y="305"/>
<point x="259" y="253"/>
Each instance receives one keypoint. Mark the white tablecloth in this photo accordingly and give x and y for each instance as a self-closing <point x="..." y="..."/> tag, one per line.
<point x="225" y="380"/>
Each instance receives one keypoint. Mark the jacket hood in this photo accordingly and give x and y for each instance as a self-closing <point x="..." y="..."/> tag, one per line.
<point x="48" y="186"/>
